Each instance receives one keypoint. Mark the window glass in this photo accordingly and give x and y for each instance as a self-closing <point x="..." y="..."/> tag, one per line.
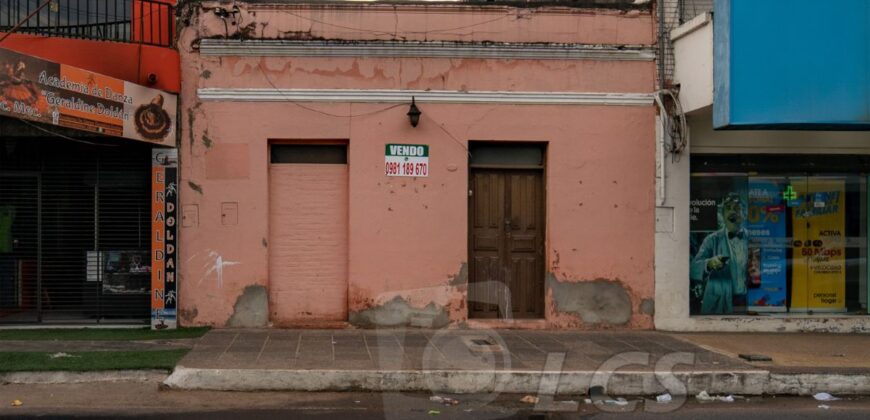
<point x="309" y="153"/>
<point x="768" y="243"/>
<point x="483" y="153"/>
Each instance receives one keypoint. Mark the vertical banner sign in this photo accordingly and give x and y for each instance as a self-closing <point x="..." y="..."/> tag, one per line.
<point x="164" y="233"/>
<point x="767" y="246"/>
<point x="406" y="160"/>
<point x="819" y="268"/>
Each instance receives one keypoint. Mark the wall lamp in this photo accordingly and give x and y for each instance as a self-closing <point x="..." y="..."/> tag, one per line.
<point x="414" y="113"/>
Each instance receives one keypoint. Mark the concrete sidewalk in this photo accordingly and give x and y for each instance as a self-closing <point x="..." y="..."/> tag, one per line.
<point x="492" y="361"/>
<point x="460" y="361"/>
<point x="792" y="352"/>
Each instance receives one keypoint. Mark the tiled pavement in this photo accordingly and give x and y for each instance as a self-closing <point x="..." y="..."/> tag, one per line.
<point x="460" y="350"/>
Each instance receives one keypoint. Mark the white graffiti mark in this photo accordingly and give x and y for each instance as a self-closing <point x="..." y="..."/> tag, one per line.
<point x="215" y="264"/>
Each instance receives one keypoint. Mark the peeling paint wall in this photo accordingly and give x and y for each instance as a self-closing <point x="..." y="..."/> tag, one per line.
<point x="407" y="237"/>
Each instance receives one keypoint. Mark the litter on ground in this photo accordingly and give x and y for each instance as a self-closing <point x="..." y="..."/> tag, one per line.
<point x="529" y="399"/>
<point x="443" y="400"/>
<point x="619" y="401"/>
<point x="664" y="398"/>
<point x="703" y="396"/>
<point x="60" y="355"/>
<point x="824" y="396"/>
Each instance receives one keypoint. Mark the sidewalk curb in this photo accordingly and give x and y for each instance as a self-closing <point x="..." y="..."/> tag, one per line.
<point x="32" y="378"/>
<point x="811" y="383"/>
<point x="750" y="382"/>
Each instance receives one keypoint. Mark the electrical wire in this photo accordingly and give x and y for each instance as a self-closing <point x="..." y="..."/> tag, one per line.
<point x="63" y="136"/>
<point x="280" y="92"/>
<point x="329" y="114"/>
<point x="677" y="132"/>
<point x="459" y="142"/>
<point x="410" y="32"/>
<point x="351" y="115"/>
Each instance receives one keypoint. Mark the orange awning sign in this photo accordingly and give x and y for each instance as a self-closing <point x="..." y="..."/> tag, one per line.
<point x="39" y="90"/>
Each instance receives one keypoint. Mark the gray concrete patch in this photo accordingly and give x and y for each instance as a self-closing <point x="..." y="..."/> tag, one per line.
<point x="398" y="313"/>
<point x="648" y="307"/>
<point x="81" y="377"/>
<point x="251" y="309"/>
<point x="461" y="278"/>
<point x="595" y="302"/>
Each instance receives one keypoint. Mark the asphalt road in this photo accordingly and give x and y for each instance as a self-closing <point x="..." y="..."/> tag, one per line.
<point x="144" y="400"/>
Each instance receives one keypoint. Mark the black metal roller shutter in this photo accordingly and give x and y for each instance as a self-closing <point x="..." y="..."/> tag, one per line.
<point x="92" y="217"/>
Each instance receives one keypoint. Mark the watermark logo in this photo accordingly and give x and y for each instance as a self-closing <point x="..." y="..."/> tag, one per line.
<point x="480" y="365"/>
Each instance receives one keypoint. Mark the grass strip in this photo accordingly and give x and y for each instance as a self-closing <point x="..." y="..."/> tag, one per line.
<point x="84" y="361"/>
<point x="101" y="334"/>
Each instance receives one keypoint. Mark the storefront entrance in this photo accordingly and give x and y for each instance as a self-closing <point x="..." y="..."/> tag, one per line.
<point x="74" y="230"/>
<point x="778" y="234"/>
<point x="506" y="232"/>
<point x="19" y="230"/>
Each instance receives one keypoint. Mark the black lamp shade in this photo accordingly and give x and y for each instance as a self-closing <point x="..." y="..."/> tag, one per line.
<point x="414" y="113"/>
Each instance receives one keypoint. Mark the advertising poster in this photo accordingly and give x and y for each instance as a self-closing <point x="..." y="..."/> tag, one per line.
<point x="719" y="244"/>
<point x="819" y="252"/>
<point x="767" y="264"/>
<point x="164" y="232"/>
<point x="39" y="90"/>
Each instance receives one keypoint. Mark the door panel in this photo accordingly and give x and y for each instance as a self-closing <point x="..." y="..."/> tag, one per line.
<point x="819" y="279"/>
<point x="507" y="238"/>
<point x="308" y="206"/>
<point x="524" y="242"/>
<point x="487" y="239"/>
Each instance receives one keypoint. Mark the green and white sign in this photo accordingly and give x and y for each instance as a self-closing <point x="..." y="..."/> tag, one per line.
<point x="407" y="160"/>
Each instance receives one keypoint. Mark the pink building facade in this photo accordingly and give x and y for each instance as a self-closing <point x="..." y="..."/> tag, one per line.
<point x="522" y="197"/>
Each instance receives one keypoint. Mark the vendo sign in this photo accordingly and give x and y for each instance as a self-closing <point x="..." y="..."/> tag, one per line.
<point x="406" y="160"/>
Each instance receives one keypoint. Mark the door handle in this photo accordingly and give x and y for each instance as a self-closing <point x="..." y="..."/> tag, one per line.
<point x="507" y="225"/>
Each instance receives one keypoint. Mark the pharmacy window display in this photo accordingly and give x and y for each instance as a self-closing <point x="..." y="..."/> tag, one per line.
<point x="768" y="236"/>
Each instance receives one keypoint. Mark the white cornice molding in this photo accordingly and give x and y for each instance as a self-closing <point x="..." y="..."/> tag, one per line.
<point x="430" y="96"/>
<point x="287" y="48"/>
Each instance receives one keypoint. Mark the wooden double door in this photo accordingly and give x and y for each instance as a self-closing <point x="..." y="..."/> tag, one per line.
<point x="506" y="243"/>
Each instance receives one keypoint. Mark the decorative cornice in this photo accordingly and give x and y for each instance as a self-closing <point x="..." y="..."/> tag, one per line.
<point x="430" y="96"/>
<point x="289" y="48"/>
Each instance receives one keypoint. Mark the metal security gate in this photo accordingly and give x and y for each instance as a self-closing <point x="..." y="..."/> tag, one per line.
<point x="74" y="231"/>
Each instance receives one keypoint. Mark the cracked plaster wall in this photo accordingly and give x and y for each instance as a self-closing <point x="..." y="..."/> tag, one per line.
<point x="407" y="236"/>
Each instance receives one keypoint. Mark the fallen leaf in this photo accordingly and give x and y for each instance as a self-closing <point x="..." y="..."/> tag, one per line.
<point x="17" y="403"/>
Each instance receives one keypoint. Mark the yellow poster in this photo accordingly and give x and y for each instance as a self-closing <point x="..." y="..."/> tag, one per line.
<point x="819" y="239"/>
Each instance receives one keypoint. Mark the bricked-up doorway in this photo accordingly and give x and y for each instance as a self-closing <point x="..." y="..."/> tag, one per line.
<point x="308" y="228"/>
<point x="506" y="230"/>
